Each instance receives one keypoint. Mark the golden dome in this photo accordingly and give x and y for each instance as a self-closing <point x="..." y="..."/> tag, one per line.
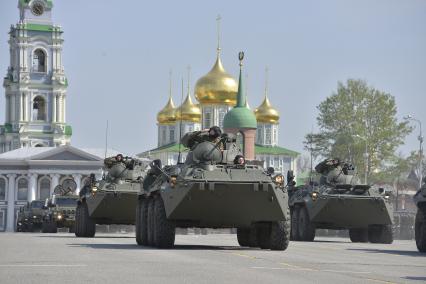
<point x="217" y="87"/>
<point x="188" y="111"/>
<point x="167" y="114"/>
<point x="266" y="113"/>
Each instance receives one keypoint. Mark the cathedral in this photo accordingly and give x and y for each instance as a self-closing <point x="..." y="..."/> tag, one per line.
<point x="35" y="83"/>
<point x="220" y="101"/>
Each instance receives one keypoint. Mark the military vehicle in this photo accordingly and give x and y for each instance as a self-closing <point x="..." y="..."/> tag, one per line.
<point x="214" y="188"/>
<point x="60" y="208"/>
<point x="30" y="216"/>
<point x="111" y="200"/>
<point x="338" y="201"/>
<point x="420" y="223"/>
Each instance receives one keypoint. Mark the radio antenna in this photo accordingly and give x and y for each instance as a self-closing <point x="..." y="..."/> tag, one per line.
<point x="180" y="124"/>
<point x="106" y="139"/>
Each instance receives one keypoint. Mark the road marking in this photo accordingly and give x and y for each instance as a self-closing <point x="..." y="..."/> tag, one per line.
<point x="244" y="255"/>
<point x="43" y="265"/>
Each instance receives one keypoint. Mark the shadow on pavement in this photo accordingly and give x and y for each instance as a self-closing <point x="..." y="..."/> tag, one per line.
<point x="389" y="251"/>
<point x="418" y="278"/>
<point x="96" y="237"/>
<point x="176" y="247"/>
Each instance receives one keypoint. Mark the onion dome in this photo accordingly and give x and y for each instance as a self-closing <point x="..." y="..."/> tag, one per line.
<point x="266" y="113"/>
<point x="188" y="111"/>
<point x="240" y="116"/>
<point x="216" y="87"/>
<point x="167" y="114"/>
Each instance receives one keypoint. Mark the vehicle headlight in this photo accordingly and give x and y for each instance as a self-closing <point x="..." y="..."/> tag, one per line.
<point x="173" y="181"/>
<point x="34" y="216"/>
<point x="314" y="195"/>
<point x="94" y="188"/>
<point x="59" y="217"/>
<point x="278" y="179"/>
<point x="386" y="196"/>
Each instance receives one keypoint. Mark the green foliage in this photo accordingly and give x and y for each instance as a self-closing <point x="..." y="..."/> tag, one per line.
<point x="358" y="118"/>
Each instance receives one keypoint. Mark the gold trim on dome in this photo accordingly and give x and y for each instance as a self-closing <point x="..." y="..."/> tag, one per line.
<point x="188" y="111"/>
<point x="167" y="114"/>
<point x="217" y="87"/>
<point x="266" y="113"/>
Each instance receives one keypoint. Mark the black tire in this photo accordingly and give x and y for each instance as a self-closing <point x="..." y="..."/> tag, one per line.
<point x="243" y="236"/>
<point x="380" y="234"/>
<point x="45" y="227"/>
<point x="420" y="230"/>
<point x="72" y="229"/>
<point x="253" y="237"/>
<point x="280" y="234"/>
<point x="150" y="222"/>
<point x="164" y="229"/>
<point x="264" y="236"/>
<point x="141" y="222"/>
<point x="358" y="235"/>
<point x="53" y="228"/>
<point x="305" y="229"/>
<point x="86" y="225"/>
<point x="294" y="236"/>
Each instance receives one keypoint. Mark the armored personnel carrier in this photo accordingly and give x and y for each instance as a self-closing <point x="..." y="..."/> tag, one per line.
<point x="30" y="216"/>
<point x="60" y="208"/>
<point x="338" y="201"/>
<point x="111" y="200"/>
<point x="214" y="188"/>
<point x="420" y="223"/>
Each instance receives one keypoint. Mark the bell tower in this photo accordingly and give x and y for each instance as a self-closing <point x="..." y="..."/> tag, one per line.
<point x="35" y="83"/>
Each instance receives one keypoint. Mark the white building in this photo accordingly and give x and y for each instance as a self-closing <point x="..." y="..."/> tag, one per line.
<point x="35" y="83"/>
<point x="28" y="174"/>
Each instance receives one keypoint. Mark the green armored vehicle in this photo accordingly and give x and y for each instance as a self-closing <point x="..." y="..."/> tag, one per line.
<point x="60" y="208"/>
<point x="214" y="188"/>
<point x="338" y="201"/>
<point x="111" y="200"/>
<point x="420" y="223"/>
<point x="30" y="216"/>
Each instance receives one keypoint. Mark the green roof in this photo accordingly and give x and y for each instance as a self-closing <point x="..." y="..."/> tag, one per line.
<point x="7" y="127"/>
<point x="240" y="116"/>
<point x="275" y="150"/>
<point x="25" y="2"/>
<point x="38" y="27"/>
<point x="68" y="130"/>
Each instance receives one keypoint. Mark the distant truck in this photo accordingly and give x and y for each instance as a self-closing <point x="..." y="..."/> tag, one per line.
<point x="60" y="208"/>
<point x="30" y="216"/>
<point x="339" y="201"/>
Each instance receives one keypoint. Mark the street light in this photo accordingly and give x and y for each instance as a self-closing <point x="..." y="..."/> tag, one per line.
<point x="420" y="138"/>
<point x="366" y="156"/>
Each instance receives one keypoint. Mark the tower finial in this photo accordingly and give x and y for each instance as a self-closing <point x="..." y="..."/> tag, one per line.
<point x="266" y="81"/>
<point x="170" y="83"/>
<point x="189" y="78"/>
<point x="241" y="96"/>
<point x="218" y="34"/>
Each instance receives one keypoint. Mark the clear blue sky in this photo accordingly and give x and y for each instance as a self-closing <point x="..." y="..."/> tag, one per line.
<point x="118" y="54"/>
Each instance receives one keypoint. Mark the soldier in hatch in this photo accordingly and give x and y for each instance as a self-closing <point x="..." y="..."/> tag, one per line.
<point x="190" y="140"/>
<point x="334" y="171"/>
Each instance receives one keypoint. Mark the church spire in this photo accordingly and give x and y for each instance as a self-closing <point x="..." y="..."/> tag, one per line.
<point x="218" y="49"/>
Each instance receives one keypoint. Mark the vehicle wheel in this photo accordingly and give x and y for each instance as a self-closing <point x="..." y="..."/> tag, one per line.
<point x="86" y="225"/>
<point x="243" y="237"/>
<point x="264" y="236"/>
<point x="306" y="230"/>
<point x="164" y="229"/>
<point x="358" y="235"/>
<point x="280" y="234"/>
<point x="141" y="222"/>
<point x="253" y="243"/>
<point x="420" y="230"/>
<point x="294" y="236"/>
<point x="45" y="227"/>
<point x="150" y="222"/>
<point x="380" y="234"/>
<point x="53" y="228"/>
<point x="72" y="229"/>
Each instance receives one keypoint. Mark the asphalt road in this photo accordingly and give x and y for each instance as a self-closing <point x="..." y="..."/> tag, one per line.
<point x="216" y="258"/>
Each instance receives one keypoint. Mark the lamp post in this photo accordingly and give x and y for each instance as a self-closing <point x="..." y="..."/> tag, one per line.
<point x="366" y="156"/>
<point x="420" y="138"/>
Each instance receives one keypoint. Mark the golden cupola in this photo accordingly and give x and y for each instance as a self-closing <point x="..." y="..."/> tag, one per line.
<point x="168" y="114"/>
<point x="266" y="113"/>
<point x="188" y="111"/>
<point x="217" y="87"/>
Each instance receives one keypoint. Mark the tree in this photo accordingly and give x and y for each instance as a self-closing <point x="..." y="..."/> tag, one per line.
<point x="355" y="120"/>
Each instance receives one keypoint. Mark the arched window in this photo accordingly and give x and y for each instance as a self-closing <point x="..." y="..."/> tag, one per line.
<point x="44" y="189"/>
<point x="39" y="108"/>
<point x="2" y="189"/>
<point x="22" y="189"/>
<point x="39" y="61"/>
